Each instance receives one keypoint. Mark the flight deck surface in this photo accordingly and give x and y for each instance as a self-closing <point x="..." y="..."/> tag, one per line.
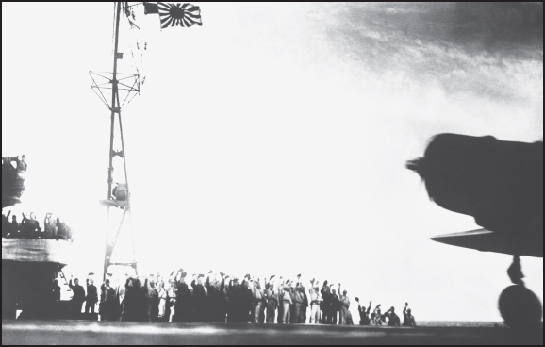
<point x="84" y="332"/>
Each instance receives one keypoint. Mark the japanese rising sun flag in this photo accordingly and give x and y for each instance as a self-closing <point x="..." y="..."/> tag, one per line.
<point x="177" y="14"/>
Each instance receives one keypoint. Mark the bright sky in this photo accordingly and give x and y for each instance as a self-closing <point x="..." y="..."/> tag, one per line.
<point x="272" y="139"/>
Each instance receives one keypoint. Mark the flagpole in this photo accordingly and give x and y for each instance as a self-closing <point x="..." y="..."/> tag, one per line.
<point x="113" y="109"/>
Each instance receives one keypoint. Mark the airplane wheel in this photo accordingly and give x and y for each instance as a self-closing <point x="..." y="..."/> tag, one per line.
<point x="520" y="307"/>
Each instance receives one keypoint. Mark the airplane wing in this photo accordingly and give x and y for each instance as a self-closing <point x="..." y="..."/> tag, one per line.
<point x="498" y="183"/>
<point x="489" y="241"/>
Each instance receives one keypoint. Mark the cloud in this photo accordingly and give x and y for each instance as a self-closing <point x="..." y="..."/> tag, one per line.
<point x="483" y="26"/>
<point x="491" y="50"/>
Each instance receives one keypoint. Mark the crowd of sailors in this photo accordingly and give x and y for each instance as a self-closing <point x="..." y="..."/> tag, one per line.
<point x="222" y="298"/>
<point x="30" y="228"/>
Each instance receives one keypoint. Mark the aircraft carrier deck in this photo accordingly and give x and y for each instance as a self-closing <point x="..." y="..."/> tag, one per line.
<point x="83" y="332"/>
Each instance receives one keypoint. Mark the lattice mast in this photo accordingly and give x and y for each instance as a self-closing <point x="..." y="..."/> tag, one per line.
<point x="119" y="196"/>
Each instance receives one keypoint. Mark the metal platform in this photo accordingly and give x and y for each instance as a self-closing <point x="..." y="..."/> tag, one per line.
<point x="114" y="203"/>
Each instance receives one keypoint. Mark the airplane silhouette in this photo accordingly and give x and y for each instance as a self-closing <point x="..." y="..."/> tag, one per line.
<point x="500" y="184"/>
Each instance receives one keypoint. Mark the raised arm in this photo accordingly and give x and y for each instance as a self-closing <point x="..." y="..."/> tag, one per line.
<point x="207" y="282"/>
<point x="324" y="288"/>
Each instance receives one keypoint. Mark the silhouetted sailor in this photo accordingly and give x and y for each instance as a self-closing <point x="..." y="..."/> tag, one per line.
<point x="280" y="292"/>
<point x="182" y="305"/>
<point x="108" y="304"/>
<point x="292" y="316"/>
<point x="215" y="300"/>
<point x="285" y="301"/>
<point x="259" y="304"/>
<point x="21" y="167"/>
<point x="30" y="227"/>
<point x="364" y="314"/>
<point x="326" y="298"/>
<point x="222" y="301"/>
<point x="393" y="318"/>
<point x="298" y="297"/>
<point x="408" y="318"/>
<point x="162" y="296"/>
<point x="92" y="297"/>
<point x="79" y="297"/>
<point x="142" y="300"/>
<point x="344" y="305"/>
<point x="334" y="306"/>
<point x="233" y="301"/>
<point x="64" y="231"/>
<point x="376" y="316"/>
<point x="130" y="302"/>
<point x="305" y="305"/>
<point x="14" y="229"/>
<point x="21" y="164"/>
<point x="5" y="225"/>
<point x="315" y="301"/>
<point x="153" y="301"/>
<point x="247" y="301"/>
<point x="119" y="303"/>
<point x="171" y="300"/>
<point x="272" y="300"/>
<point x="198" y="299"/>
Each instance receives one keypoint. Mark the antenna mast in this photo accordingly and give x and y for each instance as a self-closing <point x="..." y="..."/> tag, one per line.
<point x="119" y="196"/>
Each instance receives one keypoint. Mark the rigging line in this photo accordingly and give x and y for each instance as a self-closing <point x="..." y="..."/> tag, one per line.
<point x="103" y="85"/>
<point x="122" y="144"/>
<point x="138" y="70"/>
<point x="127" y="184"/>
<point x="124" y="85"/>
<point x="124" y="89"/>
<point x="99" y="74"/>
<point x="133" y="25"/>
<point x="109" y="73"/>
<point x="136" y="92"/>
<point x="133" y="89"/>
<point x="96" y="84"/>
<point x="133" y="96"/>
<point x="105" y="100"/>
<point x="134" y="60"/>
<point x="105" y="103"/>
<point x="125" y="75"/>
<point x="110" y="81"/>
<point x="129" y="76"/>
<point x="117" y="234"/>
<point x="132" y="238"/>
